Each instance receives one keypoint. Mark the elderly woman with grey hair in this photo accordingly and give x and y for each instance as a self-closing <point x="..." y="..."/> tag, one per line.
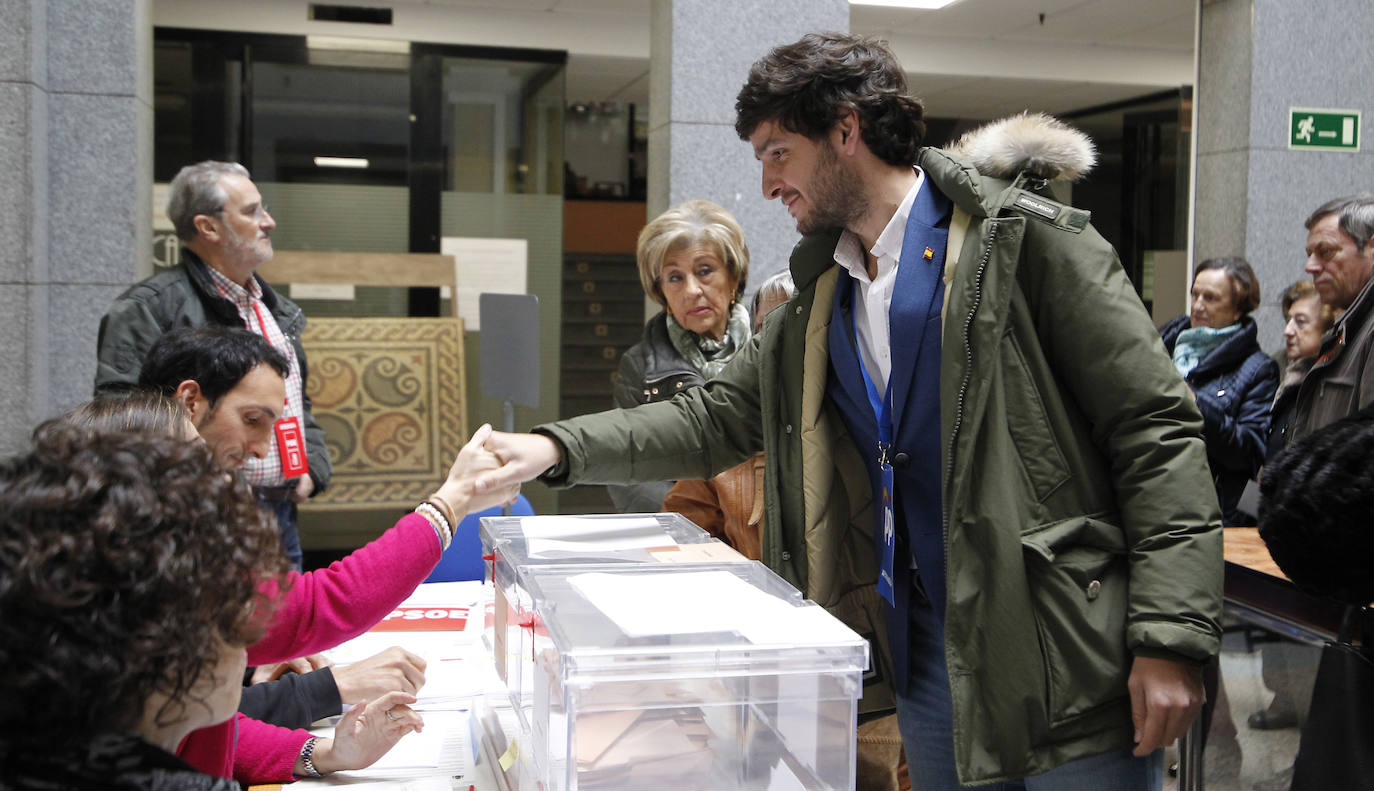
<point x="694" y="263"/>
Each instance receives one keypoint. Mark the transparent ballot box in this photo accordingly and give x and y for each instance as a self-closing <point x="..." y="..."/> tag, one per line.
<point x="689" y="677"/>
<point x="515" y="545"/>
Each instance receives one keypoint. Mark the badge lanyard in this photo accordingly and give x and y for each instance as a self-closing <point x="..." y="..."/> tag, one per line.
<point x="882" y="412"/>
<point x="290" y="439"/>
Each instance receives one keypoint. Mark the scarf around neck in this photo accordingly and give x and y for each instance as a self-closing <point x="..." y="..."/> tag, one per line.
<point x="710" y="356"/>
<point x="1195" y="343"/>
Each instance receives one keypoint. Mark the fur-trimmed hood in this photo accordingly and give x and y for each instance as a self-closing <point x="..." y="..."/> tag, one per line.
<point x="1034" y="142"/>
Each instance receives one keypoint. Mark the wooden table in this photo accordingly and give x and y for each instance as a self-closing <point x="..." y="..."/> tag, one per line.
<point x="1258" y="592"/>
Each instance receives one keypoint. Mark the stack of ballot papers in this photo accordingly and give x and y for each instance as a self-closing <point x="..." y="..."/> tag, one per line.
<point x="441" y="623"/>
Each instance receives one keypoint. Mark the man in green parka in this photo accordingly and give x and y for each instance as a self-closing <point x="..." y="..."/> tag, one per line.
<point x="978" y="452"/>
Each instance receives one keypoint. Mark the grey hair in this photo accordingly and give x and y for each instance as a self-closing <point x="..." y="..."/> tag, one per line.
<point x="196" y="190"/>
<point x="778" y="287"/>
<point x="1356" y="216"/>
<point x="696" y="221"/>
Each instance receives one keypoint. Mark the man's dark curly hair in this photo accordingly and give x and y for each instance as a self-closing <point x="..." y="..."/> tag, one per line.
<point x="214" y="357"/>
<point x="126" y="561"/>
<point x="1316" y="510"/>
<point x="805" y="87"/>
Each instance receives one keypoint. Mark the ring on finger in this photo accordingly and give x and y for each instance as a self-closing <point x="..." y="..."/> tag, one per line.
<point x="391" y="716"/>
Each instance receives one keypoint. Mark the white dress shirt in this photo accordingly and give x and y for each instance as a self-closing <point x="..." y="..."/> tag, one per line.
<point x="873" y="298"/>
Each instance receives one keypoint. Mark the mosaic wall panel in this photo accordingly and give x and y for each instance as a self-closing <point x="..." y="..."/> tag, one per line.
<point x="389" y="394"/>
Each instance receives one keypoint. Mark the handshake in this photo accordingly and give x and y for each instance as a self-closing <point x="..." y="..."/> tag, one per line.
<point x="492" y="465"/>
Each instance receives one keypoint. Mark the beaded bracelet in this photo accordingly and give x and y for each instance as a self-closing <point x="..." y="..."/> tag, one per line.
<point x="437" y="500"/>
<point x="438" y="521"/>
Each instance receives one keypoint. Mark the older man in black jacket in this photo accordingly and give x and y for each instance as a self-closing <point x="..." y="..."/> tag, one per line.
<point x="226" y="232"/>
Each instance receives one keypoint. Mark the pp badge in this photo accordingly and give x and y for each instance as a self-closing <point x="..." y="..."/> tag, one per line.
<point x="291" y="446"/>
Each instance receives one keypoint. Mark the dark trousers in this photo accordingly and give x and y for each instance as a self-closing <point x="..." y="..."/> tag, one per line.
<point x="277" y="501"/>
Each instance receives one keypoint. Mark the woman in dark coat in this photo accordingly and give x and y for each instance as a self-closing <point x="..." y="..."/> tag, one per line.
<point x="1305" y="321"/>
<point x="693" y="261"/>
<point x="1232" y="379"/>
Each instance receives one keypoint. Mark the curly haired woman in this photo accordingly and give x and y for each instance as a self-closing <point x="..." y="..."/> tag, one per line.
<point x="317" y="610"/>
<point x="130" y="571"/>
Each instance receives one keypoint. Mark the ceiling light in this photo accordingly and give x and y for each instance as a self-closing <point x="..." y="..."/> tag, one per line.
<point x="340" y="162"/>
<point x="929" y="5"/>
<point x="357" y="44"/>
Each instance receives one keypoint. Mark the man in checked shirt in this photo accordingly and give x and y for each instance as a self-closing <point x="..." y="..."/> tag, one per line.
<point x="225" y="232"/>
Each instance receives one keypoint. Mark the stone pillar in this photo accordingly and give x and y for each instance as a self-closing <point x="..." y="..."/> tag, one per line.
<point x="1258" y="59"/>
<point x="700" y="54"/>
<point x="75" y="229"/>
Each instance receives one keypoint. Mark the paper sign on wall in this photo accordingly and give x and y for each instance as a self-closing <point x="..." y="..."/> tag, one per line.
<point x="166" y="245"/>
<point x="494" y="266"/>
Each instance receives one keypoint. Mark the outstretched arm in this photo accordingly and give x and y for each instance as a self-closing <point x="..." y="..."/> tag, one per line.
<point x="326" y="606"/>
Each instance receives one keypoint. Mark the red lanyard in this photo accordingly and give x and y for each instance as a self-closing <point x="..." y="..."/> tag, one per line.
<point x="261" y="323"/>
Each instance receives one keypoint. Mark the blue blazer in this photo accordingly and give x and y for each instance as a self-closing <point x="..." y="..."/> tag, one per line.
<point x="914" y="324"/>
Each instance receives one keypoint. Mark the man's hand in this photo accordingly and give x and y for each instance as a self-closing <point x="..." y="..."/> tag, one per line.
<point x="523" y="457"/>
<point x="301" y="664"/>
<point x="305" y="485"/>
<point x="393" y="670"/>
<point x="1165" y="698"/>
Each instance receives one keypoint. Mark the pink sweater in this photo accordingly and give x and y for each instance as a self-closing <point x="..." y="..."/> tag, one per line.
<point x="322" y="609"/>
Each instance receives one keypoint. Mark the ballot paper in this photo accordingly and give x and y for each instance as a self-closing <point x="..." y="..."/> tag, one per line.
<point x="442" y="747"/>
<point x="463" y="593"/>
<point x="642" y="748"/>
<point x="458" y="665"/>
<point x="653" y="604"/>
<point x="707" y="552"/>
<point x="434" y="783"/>
<point x="565" y="536"/>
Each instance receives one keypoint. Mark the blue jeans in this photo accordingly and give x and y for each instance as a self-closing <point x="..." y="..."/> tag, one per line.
<point x="924" y="717"/>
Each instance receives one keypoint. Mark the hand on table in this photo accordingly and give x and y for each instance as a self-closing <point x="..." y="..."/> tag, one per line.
<point x="1165" y="698"/>
<point x="365" y="733"/>
<point x="393" y="670"/>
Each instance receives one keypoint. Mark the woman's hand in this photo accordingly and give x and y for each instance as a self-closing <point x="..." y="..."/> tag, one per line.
<point x="459" y="490"/>
<point x="365" y="734"/>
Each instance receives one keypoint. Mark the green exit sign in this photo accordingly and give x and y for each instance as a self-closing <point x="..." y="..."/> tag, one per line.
<point x="1324" y="130"/>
